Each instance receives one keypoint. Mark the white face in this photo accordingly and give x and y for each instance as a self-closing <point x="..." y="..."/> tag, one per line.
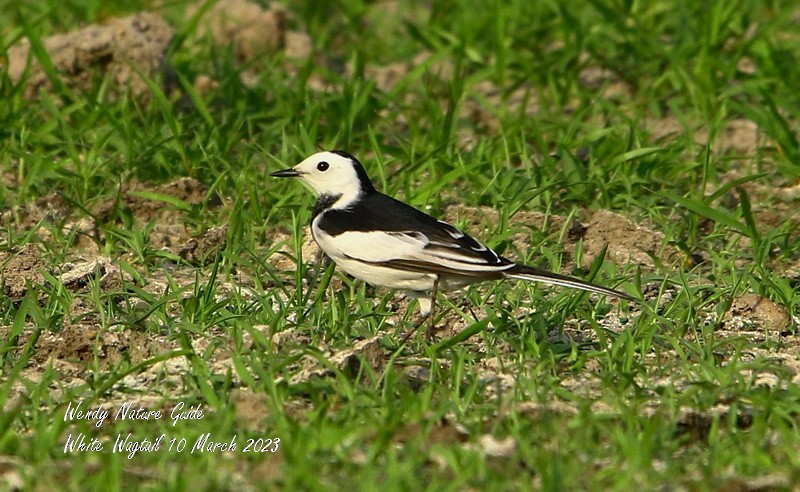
<point x="330" y="174"/>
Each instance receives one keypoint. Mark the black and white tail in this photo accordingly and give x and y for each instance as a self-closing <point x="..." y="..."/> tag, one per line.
<point x="523" y="272"/>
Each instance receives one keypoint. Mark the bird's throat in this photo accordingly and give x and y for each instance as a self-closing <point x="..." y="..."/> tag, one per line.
<point x="324" y="202"/>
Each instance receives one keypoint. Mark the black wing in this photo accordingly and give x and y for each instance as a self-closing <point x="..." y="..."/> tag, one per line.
<point x="379" y="212"/>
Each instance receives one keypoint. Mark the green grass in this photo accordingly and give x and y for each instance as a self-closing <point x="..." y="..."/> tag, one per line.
<point x="670" y="399"/>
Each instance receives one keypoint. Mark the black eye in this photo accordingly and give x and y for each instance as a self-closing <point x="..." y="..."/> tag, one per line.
<point x="323" y="166"/>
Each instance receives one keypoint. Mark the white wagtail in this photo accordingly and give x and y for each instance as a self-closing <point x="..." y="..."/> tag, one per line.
<point x="387" y="243"/>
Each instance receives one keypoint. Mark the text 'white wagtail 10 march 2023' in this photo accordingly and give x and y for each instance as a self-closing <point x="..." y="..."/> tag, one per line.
<point x="386" y="243"/>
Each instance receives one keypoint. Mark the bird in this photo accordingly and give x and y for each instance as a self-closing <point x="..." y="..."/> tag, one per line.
<point x="387" y="243"/>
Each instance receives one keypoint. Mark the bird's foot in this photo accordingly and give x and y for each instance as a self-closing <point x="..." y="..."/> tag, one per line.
<point x="430" y="331"/>
<point x="426" y="309"/>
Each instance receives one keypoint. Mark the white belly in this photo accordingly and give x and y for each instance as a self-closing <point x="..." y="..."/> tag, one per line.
<point x="342" y="254"/>
<point x="360" y="255"/>
<point x="386" y="277"/>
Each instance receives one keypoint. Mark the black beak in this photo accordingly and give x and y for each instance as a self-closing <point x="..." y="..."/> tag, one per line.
<point x="286" y="173"/>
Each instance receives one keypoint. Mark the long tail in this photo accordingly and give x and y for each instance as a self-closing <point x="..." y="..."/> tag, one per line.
<point x="523" y="272"/>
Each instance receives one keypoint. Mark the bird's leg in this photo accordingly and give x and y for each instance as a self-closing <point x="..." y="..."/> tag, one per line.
<point x="432" y="314"/>
<point x="321" y="261"/>
<point x="423" y="316"/>
<point x="426" y="306"/>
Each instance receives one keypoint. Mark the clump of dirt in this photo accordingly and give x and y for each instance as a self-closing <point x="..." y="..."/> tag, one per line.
<point x="481" y="111"/>
<point x="386" y="77"/>
<point x="81" y="343"/>
<point x="250" y="29"/>
<point x="751" y="311"/>
<point x="51" y="208"/>
<point x="19" y="269"/>
<point x="254" y="32"/>
<point x="628" y="243"/>
<point x="169" y="233"/>
<point x="476" y="220"/>
<point x="187" y="190"/>
<point x="739" y="136"/>
<point x="774" y="201"/>
<point x="77" y="275"/>
<point x="286" y="338"/>
<point x="697" y="425"/>
<point x="120" y="48"/>
<point x="479" y="222"/>
<point x="75" y="343"/>
<point x="368" y="351"/>
<point x="202" y="250"/>
<point x="309" y="250"/>
<point x="479" y="114"/>
<point x="297" y="45"/>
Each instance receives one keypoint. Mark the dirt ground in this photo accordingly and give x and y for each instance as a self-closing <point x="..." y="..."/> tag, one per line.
<point x="82" y="341"/>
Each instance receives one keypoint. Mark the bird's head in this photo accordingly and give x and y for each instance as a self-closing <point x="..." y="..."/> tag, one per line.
<point x="333" y="173"/>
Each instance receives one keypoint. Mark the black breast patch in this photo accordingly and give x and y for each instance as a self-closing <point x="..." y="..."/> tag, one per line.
<point x="324" y="202"/>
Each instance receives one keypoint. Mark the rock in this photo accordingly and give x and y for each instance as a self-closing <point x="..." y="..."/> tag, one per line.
<point x="18" y="270"/>
<point x="120" y="48"/>
<point x="627" y="242"/>
<point x="754" y="311"/>
<point x="349" y="361"/>
<point x="203" y="250"/>
<point x="75" y="276"/>
<point x="252" y="30"/>
<point x="297" y="45"/>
